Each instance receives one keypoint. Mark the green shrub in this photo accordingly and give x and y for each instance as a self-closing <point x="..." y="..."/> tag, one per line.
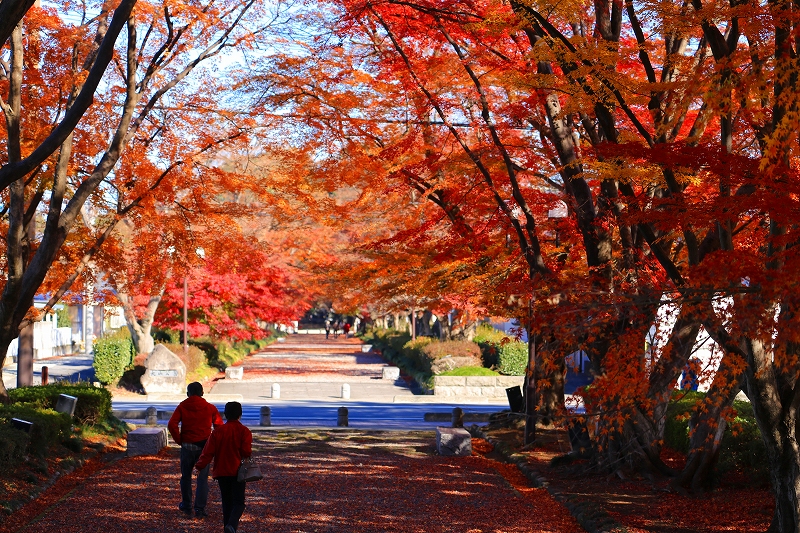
<point x="112" y="356"/>
<point x="413" y="351"/>
<point x="92" y="407"/>
<point x="13" y="445"/>
<point x="512" y="358"/>
<point x="489" y="340"/>
<point x="49" y="427"/>
<point x="742" y="446"/>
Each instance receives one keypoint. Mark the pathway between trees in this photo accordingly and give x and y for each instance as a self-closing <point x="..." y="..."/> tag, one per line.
<point x="315" y="481"/>
<point x="312" y="367"/>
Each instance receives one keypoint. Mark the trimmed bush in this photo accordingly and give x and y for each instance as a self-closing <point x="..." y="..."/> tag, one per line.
<point x="512" y="358"/>
<point x="489" y="340"/>
<point x="49" y="427"/>
<point x="93" y="405"/>
<point x="112" y="356"/>
<point x="13" y="445"/>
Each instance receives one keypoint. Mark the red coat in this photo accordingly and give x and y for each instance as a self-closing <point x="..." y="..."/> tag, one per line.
<point x="195" y="416"/>
<point x="228" y="445"/>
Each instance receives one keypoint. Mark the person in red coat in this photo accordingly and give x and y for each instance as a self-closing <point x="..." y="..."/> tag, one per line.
<point x="190" y="426"/>
<point x="227" y="447"/>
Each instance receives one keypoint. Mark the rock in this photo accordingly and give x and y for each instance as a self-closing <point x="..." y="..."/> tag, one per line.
<point x="453" y="441"/>
<point x="146" y="441"/>
<point x="164" y="372"/>
<point x="449" y="363"/>
<point x="391" y="373"/>
<point x="234" y="372"/>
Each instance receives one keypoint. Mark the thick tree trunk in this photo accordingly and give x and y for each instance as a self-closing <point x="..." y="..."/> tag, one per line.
<point x="776" y="399"/>
<point x="140" y="327"/>
<point x="708" y="427"/>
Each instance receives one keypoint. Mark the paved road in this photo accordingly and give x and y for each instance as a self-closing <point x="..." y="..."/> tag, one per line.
<point x="310" y="372"/>
<point x="67" y="368"/>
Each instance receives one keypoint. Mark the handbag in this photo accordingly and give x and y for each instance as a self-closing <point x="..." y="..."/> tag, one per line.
<point x="249" y="471"/>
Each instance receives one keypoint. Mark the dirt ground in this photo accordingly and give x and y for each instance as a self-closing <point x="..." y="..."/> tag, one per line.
<point x="315" y="481"/>
<point x="604" y="502"/>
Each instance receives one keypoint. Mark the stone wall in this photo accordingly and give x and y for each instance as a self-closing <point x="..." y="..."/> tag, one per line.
<point x="486" y="386"/>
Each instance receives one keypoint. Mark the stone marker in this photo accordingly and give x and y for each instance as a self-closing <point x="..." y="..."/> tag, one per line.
<point x="146" y="441"/>
<point x="66" y="404"/>
<point x="341" y="418"/>
<point x="453" y="441"/>
<point x="22" y="425"/>
<point x="391" y="372"/>
<point x="266" y="416"/>
<point x="234" y="372"/>
<point x="151" y="416"/>
<point x="164" y="372"/>
<point x="458" y="417"/>
<point x="276" y="391"/>
<point x="345" y="391"/>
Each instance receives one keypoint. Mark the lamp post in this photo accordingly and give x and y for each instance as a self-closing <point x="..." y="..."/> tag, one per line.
<point x="185" y="318"/>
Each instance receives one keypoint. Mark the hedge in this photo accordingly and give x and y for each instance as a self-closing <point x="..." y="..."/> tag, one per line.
<point x="49" y="427"/>
<point x="13" y="445"/>
<point x="512" y="358"/>
<point x="93" y="405"/>
<point x="112" y="356"/>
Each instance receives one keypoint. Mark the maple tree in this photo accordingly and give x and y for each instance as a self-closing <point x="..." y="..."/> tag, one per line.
<point x="62" y="210"/>
<point x="670" y="147"/>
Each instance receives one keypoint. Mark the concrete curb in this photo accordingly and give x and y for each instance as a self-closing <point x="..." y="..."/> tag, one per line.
<point x="590" y="515"/>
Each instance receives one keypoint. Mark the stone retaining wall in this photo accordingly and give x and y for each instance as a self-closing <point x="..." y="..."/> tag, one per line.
<point x="486" y="386"/>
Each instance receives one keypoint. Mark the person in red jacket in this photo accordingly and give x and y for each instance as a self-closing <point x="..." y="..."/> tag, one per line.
<point x="194" y="416"/>
<point x="227" y="446"/>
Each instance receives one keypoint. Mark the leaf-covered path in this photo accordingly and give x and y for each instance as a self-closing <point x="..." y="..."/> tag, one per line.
<point x="315" y="481"/>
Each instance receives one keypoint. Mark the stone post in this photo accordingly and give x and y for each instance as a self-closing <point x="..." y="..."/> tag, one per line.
<point x="458" y="417"/>
<point x="151" y="416"/>
<point x="276" y="391"/>
<point x="345" y="391"/>
<point x="266" y="416"/>
<point x="341" y="419"/>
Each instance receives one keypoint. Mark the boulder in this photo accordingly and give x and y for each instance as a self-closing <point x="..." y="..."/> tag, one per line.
<point x="444" y="364"/>
<point x="164" y="372"/>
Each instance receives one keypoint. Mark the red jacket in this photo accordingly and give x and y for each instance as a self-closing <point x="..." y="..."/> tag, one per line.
<point x="228" y="445"/>
<point x="195" y="417"/>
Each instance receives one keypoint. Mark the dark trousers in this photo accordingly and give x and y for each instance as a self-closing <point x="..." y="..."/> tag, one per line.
<point x="190" y="453"/>
<point x="232" y="496"/>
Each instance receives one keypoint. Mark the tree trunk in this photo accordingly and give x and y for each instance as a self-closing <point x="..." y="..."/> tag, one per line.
<point x="140" y="327"/>
<point x="708" y="425"/>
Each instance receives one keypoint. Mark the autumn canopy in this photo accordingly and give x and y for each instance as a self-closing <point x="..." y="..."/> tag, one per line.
<point x="594" y="170"/>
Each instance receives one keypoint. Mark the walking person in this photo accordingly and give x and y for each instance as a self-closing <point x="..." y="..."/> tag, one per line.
<point x="327" y="329"/>
<point x="190" y="426"/>
<point x="227" y="446"/>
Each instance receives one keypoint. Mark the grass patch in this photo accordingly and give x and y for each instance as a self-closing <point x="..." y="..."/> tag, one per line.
<point x="470" y="371"/>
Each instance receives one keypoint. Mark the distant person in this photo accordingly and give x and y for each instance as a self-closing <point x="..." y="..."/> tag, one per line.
<point x="336" y="329"/>
<point x="690" y="377"/>
<point x="227" y="446"/>
<point x="190" y="426"/>
<point x="327" y="329"/>
<point x="346" y="329"/>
